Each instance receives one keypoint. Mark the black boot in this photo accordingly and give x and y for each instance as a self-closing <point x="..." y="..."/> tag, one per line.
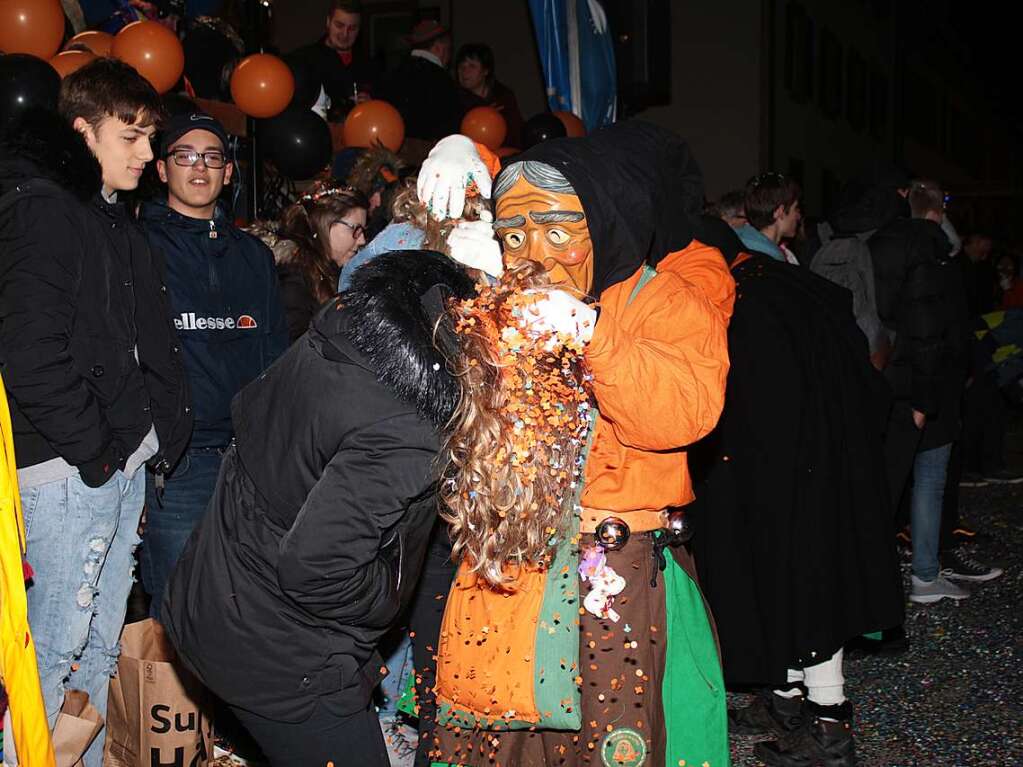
<point x="824" y="740"/>
<point x="769" y="713"/>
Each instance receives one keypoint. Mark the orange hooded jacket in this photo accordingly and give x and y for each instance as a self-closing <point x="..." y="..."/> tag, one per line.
<point x="659" y="366"/>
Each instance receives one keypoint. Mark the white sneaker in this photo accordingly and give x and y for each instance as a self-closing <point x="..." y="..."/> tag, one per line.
<point x="927" y="592"/>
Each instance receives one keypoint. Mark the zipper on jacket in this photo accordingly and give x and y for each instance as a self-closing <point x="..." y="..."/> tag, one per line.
<point x="214" y="282"/>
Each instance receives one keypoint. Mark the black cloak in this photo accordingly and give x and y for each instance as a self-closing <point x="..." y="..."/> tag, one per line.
<point x="640" y="188"/>
<point x="792" y="515"/>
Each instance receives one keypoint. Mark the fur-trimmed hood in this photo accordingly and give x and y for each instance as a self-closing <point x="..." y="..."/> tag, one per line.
<point x="39" y="144"/>
<point x="389" y="315"/>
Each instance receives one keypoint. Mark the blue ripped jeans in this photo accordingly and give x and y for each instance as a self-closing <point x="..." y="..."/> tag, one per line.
<point x="81" y="541"/>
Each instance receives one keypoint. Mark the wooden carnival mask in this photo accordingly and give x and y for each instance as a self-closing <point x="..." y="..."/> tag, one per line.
<point x="547" y="227"/>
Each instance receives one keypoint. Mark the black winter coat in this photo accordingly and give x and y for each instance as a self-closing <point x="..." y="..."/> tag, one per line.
<point x="957" y="356"/>
<point x="792" y="517"/>
<point x="337" y="79"/>
<point x="908" y="285"/>
<point x="317" y="530"/>
<point x="80" y="293"/>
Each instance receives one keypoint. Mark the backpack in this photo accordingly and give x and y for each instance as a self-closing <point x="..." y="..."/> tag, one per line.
<point x="845" y="261"/>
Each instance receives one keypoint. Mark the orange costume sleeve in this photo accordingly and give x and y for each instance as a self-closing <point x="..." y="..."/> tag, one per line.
<point x="659" y="367"/>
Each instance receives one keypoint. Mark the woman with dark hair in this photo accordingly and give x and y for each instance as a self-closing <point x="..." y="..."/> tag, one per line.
<point x="316" y="533"/>
<point x="327" y="228"/>
<point x="480" y="87"/>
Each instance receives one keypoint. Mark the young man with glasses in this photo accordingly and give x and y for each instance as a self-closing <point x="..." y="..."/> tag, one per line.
<point x="223" y="294"/>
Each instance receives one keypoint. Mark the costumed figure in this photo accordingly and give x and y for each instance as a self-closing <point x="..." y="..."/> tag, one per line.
<point x="792" y="519"/>
<point x="574" y="632"/>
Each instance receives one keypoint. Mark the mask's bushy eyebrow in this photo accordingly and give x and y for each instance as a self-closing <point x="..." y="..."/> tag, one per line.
<point x="557" y="217"/>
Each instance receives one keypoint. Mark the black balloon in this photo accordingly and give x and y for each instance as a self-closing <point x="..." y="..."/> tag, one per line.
<point x="26" y="81"/>
<point x="297" y="141"/>
<point x="541" y="127"/>
<point x="307" y="83"/>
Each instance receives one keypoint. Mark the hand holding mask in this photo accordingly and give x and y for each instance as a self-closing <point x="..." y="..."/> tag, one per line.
<point x="472" y="243"/>
<point x="561" y="313"/>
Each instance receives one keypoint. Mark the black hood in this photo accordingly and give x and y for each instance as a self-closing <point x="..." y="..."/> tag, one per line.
<point x="640" y="188"/>
<point x="866" y="207"/>
<point x="870" y="200"/>
<point x="389" y="314"/>
<point x="40" y="144"/>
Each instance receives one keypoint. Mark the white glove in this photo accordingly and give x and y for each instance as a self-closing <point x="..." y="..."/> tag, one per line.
<point x="445" y="174"/>
<point x="558" y="312"/>
<point x="472" y="243"/>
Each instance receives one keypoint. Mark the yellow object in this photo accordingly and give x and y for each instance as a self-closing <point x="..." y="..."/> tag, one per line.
<point x="18" y="668"/>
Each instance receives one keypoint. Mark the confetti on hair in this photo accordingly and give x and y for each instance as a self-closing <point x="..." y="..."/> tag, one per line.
<point x="514" y="453"/>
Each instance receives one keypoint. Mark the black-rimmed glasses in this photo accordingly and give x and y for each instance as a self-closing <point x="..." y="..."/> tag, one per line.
<point x="358" y="230"/>
<point x="186" y="158"/>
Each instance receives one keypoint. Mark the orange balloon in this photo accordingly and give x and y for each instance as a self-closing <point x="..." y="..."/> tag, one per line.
<point x="31" y="26"/>
<point x="262" y="85"/>
<point x="485" y="125"/>
<point x="507" y="151"/>
<point x="153" y="50"/>
<point x="574" y="127"/>
<point x="96" y="41"/>
<point x="373" y="122"/>
<point x="71" y="61"/>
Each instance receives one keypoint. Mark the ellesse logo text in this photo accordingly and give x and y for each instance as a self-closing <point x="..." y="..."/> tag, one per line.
<point x="188" y="321"/>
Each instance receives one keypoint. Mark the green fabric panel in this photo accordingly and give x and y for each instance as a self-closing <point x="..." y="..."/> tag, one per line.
<point x="693" y="689"/>
<point x="875" y="635"/>
<point x="648" y="274"/>
<point x="557" y="638"/>
<point x="449" y="716"/>
<point x="407" y="702"/>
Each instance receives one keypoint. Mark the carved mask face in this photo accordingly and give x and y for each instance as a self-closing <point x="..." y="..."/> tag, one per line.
<point x="547" y="227"/>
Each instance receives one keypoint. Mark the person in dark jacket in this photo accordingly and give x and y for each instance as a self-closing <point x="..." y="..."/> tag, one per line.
<point x="907" y="285"/>
<point x="347" y="77"/>
<point x="318" y="527"/>
<point x="792" y="524"/>
<point x="421" y="88"/>
<point x="474" y="65"/>
<point x="223" y="293"/>
<point x="91" y="363"/>
<point x="325" y="230"/>
<point x="930" y="466"/>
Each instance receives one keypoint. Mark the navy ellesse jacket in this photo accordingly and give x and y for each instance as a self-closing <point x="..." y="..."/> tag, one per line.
<point x="223" y="295"/>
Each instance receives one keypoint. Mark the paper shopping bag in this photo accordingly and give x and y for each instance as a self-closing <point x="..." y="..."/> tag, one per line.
<point x="78" y="724"/>
<point x="157" y="711"/>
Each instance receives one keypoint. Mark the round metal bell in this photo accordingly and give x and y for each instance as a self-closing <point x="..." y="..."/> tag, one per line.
<point x="678" y="526"/>
<point x="613" y="533"/>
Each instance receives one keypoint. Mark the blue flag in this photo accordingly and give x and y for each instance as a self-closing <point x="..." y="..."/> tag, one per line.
<point x="577" y="54"/>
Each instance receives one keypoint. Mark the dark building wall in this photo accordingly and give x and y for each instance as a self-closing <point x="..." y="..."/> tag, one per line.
<point x="832" y="85"/>
<point x="716" y="55"/>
